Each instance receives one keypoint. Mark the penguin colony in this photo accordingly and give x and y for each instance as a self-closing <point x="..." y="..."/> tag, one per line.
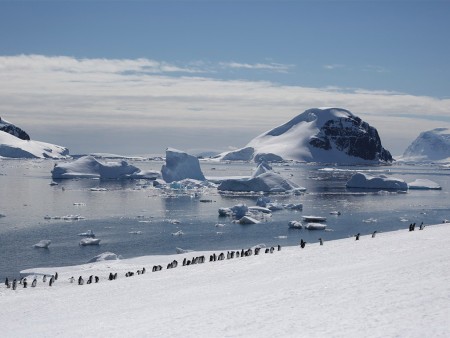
<point x="186" y="262"/>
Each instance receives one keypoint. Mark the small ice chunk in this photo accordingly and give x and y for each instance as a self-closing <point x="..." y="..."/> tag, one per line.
<point x="44" y="244"/>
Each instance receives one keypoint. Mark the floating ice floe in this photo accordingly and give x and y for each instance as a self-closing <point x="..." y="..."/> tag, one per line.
<point x="79" y="204"/>
<point x="88" y="233"/>
<point x="314" y="218"/>
<point x="89" y="241"/>
<point x="366" y="181"/>
<point x="137" y="232"/>
<point x="72" y="217"/>
<point x="178" y="233"/>
<point x="43" y="244"/>
<point x="424" y="184"/>
<point x="336" y="213"/>
<point x="260" y="209"/>
<point x="219" y="225"/>
<point x="98" y="189"/>
<point x="370" y="220"/>
<point x="106" y="256"/>
<point x="315" y="226"/>
<point x="295" y="224"/>
<point x="248" y="220"/>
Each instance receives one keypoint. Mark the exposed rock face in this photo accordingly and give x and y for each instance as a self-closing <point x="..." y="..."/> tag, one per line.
<point x="352" y="136"/>
<point x="327" y="135"/>
<point x="13" y="130"/>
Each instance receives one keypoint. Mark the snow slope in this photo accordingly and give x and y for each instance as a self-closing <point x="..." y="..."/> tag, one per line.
<point x="14" y="147"/>
<point x="431" y="145"/>
<point x="328" y="135"/>
<point x="394" y="285"/>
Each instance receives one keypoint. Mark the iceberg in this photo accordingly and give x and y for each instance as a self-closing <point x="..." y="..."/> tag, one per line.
<point x="366" y="181"/>
<point x="315" y="226"/>
<point x="248" y="220"/>
<point x="89" y="167"/>
<point x="295" y="225"/>
<point x="180" y="165"/>
<point x="262" y="181"/>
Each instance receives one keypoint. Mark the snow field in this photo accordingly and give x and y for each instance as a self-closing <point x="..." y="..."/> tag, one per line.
<point x="396" y="284"/>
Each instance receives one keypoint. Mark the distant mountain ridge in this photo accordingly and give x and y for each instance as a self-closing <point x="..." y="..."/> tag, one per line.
<point x="431" y="145"/>
<point x="327" y="135"/>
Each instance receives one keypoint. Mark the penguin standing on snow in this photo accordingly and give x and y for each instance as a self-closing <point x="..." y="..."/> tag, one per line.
<point x="302" y="243"/>
<point x="374" y="233"/>
<point x="7" y="282"/>
<point x="320" y="241"/>
<point x="357" y="236"/>
<point x="33" y="284"/>
<point x="44" y="279"/>
<point x="14" y="284"/>
<point x="56" y="275"/>
<point x="421" y="226"/>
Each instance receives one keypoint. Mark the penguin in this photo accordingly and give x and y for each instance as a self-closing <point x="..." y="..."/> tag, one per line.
<point x="320" y="241"/>
<point x="184" y="262"/>
<point x="111" y="276"/>
<point x="357" y="236"/>
<point x="143" y="270"/>
<point x="25" y="283"/>
<point x="115" y="276"/>
<point x="14" y="284"/>
<point x="279" y="247"/>
<point x="33" y="284"/>
<point x="242" y="253"/>
<point x="302" y="243"/>
<point x="271" y="249"/>
<point x="80" y="280"/>
<point x="96" y="279"/>
<point x="237" y="254"/>
<point x="257" y="251"/>
<point x="6" y="281"/>
<point x="413" y="226"/>
<point x="374" y="234"/>
<point x="421" y="226"/>
<point x="44" y="279"/>
<point x="50" y="282"/>
<point x="56" y="276"/>
<point x="71" y="280"/>
<point x="266" y="251"/>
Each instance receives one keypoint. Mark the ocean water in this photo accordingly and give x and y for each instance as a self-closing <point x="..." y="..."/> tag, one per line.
<point x="132" y="218"/>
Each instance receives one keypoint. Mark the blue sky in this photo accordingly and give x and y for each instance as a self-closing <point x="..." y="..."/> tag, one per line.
<point x="384" y="48"/>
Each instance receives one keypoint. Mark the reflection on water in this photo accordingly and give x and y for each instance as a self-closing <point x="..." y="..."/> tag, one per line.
<point x="132" y="218"/>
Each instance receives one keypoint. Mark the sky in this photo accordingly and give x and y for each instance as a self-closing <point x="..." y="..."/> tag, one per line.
<point x="136" y="77"/>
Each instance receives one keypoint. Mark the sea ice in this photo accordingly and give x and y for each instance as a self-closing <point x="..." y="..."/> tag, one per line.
<point x="315" y="226"/>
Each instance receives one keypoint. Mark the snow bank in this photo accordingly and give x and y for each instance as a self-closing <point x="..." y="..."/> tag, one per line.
<point x="14" y="147"/>
<point x="106" y="256"/>
<point x="424" y="184"/>
<point x="89" y="167"/>
<point x="180" y="165"/>
<point x="374" y="287"/>
<point x="366" y="181"/>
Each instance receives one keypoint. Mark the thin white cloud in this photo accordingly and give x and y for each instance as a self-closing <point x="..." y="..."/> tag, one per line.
<point x="63" y="93"/>
<point x="274" y="67"/>
<point x="333" y="66"/>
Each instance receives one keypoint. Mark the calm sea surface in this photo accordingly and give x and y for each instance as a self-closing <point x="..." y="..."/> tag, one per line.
<point x="132" y="218"/>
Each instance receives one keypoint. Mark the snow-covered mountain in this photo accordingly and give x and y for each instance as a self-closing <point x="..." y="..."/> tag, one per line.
<point x="431" y="145"/>
<point x="328" y="135"/>
<point x="10" y="128"/>
<point x="16" y="143"/>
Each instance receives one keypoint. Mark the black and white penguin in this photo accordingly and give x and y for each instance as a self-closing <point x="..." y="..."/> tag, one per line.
<point x="56" y="276"/>
<point x="320" y="241"/>
<point x="80" y="280"/>
<point x="357" y="236"/>
<point x="33" y="284"/>
<point x="374" y="234"/>
<point x="71" y="280"/>
<point x="143" y="270"/>
<point x="279" y="247"/>
<point x="44" y="279"/>
<point x="96" y="279"/>
<point x="50" y="282"/>
<point x="421" y="226"/>
<point x="25" y="283"/>
<point x="14" y="284"/>
<point x="302" y="243"/>
<point x="6" y="281"/>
